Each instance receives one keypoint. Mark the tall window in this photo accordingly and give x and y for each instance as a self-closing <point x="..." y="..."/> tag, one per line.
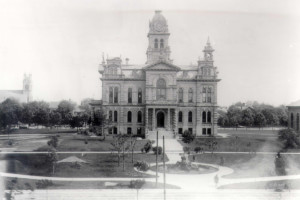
<point x="115" y="130"/>
<point x="179" y="116"/>
<point x="111" y="94"/>
<point x="139" y="131"/>
<point x="116" y="93"/>
<point x="156" y="43"/>
<point x="292" y="120"/>
<point x="129" y="130"/>
<point x="209" y="117"/>
<point x="190" y="95"/>
<point x="204" y="116"/>
<point x="204" y="131"/>
<point x="110" y="130"/>
<point x="209" y="131"/>
<point x="209" y="95"/>
<point x="204" y="94"/>
<point x="161" y="43"/>
<point x="297" y="121"/>
<point x="139" y="117"/>
<point x="129" y="95"/>
<point x="140" y="95"/>
<point x="190" y="116"/>
<point x="129" y="116"/>
<point x="115" y="116"/>
<point x="110" y="114"/>
<point x="161" y="89"/>
<point x="180" y="95"/>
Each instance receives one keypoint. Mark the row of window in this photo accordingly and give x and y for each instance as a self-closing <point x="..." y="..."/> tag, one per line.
<point x="114" y="130"/>
<point x="206" y="116"/>
<point x="161" y="43"/>
<point x="161" y="93"/>
<point x="205" y="131"/>
<point x="113" y="116"/>
<point x="140" y="95"/>
<point x="297" y="121"/>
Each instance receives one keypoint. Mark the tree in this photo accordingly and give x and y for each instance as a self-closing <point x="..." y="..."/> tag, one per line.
<point x="247" y="117"/>
<point x="66" y="108"/>
<point x="101" y="120"/>
<point x="77" y="121"/>
<point x="120" y="145"/>
<point x="10" y="112"/>
<point x="36" y="112"/>
<point x="53" y="142"/>
<point x="54" y="118"/>
<point x="289" y="138"/>
<point x="52" y="159"/>
<point x="259" y="120"/>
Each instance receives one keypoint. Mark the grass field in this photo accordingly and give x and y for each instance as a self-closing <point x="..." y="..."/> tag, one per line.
<point x="98" y="165"/>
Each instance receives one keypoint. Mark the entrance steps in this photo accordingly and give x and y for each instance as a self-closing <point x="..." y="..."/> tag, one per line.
<point x="161" y="132"/>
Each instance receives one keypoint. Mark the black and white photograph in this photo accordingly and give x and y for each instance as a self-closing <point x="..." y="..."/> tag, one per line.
<point x="149" y="99"/>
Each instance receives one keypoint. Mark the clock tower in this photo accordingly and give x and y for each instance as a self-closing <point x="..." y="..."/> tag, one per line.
<point x="158" y="36"/>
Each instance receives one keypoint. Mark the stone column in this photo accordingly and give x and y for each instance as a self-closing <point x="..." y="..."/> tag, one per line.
<point x="175" y="121"/>
<point x="153" y="119"/>
<point x="168" y="120"/>
<point x="146" y="121"/>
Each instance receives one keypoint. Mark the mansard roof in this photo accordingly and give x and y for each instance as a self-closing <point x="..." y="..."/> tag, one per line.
<point x="162" y="66"/>
<point x="294" y="104"/>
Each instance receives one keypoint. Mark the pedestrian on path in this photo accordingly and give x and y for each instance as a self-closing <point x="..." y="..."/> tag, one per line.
<point x="216" y="180"/>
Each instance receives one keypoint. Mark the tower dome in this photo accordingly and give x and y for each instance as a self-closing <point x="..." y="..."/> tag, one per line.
<point x="158" y="23"/>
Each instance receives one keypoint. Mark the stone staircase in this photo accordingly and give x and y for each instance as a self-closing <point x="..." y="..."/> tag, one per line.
<point x="161" y="132"/>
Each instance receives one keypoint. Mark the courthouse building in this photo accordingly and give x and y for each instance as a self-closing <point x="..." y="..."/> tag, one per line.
<point x="294" y="115"/>
<point x="160" y="95"/>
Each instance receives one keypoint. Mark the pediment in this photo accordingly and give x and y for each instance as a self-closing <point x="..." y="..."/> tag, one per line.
<point x="162" y="66"/>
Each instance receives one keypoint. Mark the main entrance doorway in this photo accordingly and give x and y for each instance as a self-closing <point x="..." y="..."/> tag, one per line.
<point x="160" y="120"/>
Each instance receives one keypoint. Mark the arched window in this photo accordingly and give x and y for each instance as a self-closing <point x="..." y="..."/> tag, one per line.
<point x="209" y="95"/>
<point x="161" y="89"/>
<point x="156" y="43"/>
<point x="179" y="116"/>
<point x="190" y="116"/>
<point x="115" y="116"/>
<point x="204" y="94"/>
<point x="129" y="95"/>
<point x="129" y="131"/>
<point x="292" y="120"/>
<point x="140" y="95"/>
<point x="161" y="43"/>
<point x="110" y="115"/>
<point x="180" y="95"/>
<point x="129" y="116"/>
<point x="116" y="93"/>
<point x="297" y="121"/>
<point x="190" y="95"/>
<point x="139" y="117"/>
<point x="204" y="116"/>
<point x="209" y="117"/>
<point x="111" y="94"/>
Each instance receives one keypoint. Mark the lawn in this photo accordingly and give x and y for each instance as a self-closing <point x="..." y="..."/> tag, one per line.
<point x="24" y="184"/>
<point x="251" y="165"/>
<point x="99" y="165"/>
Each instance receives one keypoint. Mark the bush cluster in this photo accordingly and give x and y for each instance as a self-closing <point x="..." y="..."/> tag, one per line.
<point x="41" y="184"/>
<point x="142" y="166"/>
<point x="157" y="149"/>
<point x="137" y="184"/>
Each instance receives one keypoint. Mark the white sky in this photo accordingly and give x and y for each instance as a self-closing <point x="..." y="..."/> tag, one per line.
<point x="60" y="42"/>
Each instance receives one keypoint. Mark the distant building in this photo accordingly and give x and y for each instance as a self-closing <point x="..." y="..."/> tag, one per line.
<point x="24" y="95"/>
<point x="140" y="99"/>
<point x="294" y="116"/>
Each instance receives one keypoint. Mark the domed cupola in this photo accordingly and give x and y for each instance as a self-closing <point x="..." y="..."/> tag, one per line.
<point x="158" y="23"/>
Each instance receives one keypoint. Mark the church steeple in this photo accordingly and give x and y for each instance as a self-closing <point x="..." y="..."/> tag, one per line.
<point x="158" y="36"/>
<point x="208" y="51"/>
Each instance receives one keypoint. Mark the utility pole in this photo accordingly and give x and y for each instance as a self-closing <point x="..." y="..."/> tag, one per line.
<point x="164" y="167"/>
<point x="156" y="157"/>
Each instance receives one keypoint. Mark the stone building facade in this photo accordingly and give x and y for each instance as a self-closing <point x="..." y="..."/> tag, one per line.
<point x="139" y="99"/>
<point x="294" y="116"/>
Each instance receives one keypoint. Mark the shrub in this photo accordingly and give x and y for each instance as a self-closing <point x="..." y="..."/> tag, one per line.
<point x="158" y="149"/>
<point x="290" y="138"/>
<point x="142" y="166"/>
<point x="148" y="146"/>
<point x="186" y="149"/>
<point x="137" y="184"/>
<point x="198" y="149"/>
<point x="188" y="136"/>
<point x="41" y="184"/>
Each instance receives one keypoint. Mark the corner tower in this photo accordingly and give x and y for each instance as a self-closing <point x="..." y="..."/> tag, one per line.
<point x="158" y="37"/>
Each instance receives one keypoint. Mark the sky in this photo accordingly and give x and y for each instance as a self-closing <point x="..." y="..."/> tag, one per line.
<point x="257" y="44"/>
